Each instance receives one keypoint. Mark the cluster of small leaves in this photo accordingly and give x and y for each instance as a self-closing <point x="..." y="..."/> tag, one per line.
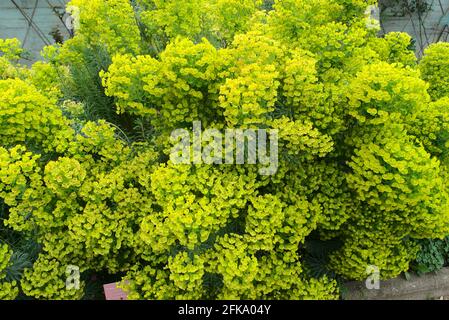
<point x="432" y="256"/>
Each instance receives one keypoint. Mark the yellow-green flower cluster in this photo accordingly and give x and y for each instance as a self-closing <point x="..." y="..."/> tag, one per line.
<point x="48" y="280"/>
<point x="111" y="23"/>
<point x="217" y="20"/>
<point x="431" y="127"/>
<point x="383" y="92"/>
<point x="434" y="68"/>
<point x="377" y="246"/>
<point x="394" y="48"/>
<point x="28" y="116"/>
<point x="11" y="49"/>
<point x="8" y="290"/>
<point x="172" y="90"/>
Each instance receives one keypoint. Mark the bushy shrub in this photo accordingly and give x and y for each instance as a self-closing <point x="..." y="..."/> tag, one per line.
<point x="85" y="142"/>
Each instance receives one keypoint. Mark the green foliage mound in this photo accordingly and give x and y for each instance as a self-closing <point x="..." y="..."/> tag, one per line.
<point x="85" y="175"/>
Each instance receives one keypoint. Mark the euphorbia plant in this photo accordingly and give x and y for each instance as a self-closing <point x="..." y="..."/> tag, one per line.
<point x="85" y="167"/>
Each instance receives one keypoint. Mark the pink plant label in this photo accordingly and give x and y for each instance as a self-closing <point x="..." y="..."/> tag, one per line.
<point x="113" y="292"/>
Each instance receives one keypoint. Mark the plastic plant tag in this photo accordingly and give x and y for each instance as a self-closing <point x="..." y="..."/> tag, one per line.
<point x="113" y="292"/>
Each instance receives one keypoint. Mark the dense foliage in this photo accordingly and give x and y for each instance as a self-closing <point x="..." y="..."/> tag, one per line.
<point x="432" y="256"/>
<point x="85" y="173"/>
